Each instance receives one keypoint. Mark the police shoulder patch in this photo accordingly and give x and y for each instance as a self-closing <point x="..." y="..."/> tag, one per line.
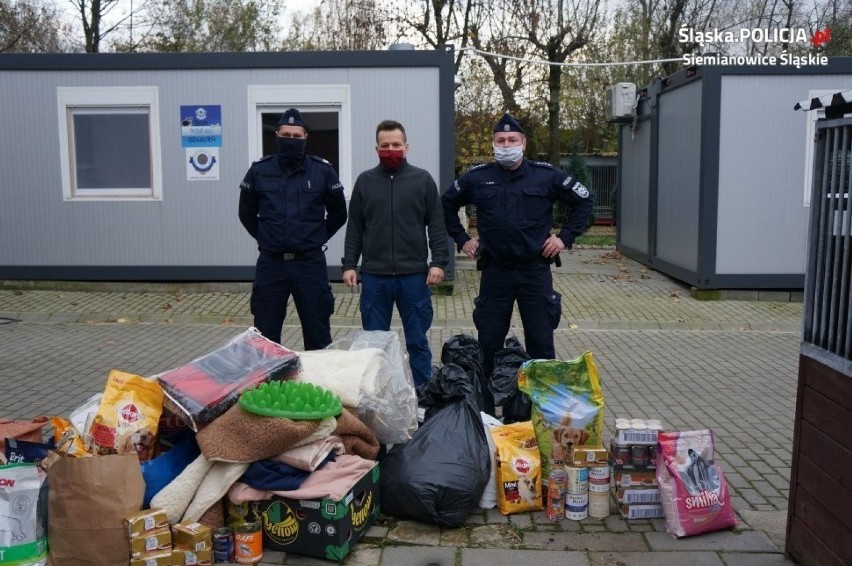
<point x="321" y="160"/>
<point x="544" y="164"/>
<point x="581" y="191"/>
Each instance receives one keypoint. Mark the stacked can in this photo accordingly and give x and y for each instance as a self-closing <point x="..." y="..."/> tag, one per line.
<point x="577" y="493"/>
<point x="599" y="480"/>
<point x="556" y="494"/>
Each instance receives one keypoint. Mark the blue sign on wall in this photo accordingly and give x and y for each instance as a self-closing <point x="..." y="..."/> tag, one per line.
<point x="201" y="126"/>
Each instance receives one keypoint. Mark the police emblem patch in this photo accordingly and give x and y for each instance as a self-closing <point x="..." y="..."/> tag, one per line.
<point x="581" y="191"/>
<point x="507" y="127"/>
<point x="290" y="121"/>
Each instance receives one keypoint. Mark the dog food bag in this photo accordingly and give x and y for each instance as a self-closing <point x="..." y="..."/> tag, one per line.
<point x="567" y="405"/>
<point x="517" y="468"/>
<point x="23" y="533"/>
<point x="128" y="416"/>
<point x="693" y="490"/>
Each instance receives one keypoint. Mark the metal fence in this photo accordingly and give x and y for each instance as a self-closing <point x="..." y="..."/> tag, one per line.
<point x="827" y="320"/>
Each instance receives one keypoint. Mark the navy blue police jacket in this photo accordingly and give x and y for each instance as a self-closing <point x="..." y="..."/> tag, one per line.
<point x="295" y="212"/>
<point x="514" y="208"/>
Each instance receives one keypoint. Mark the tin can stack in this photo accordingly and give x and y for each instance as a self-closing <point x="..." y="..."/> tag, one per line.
<point x="633" y="453"/>
<point x="223" y="545"/>
<point x="577" y="496"/>
<point x="556" y="484"/>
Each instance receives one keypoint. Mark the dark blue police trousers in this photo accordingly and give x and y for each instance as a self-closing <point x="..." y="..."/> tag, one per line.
<point x="275" y="279"/>
<point x="539" y="305"/>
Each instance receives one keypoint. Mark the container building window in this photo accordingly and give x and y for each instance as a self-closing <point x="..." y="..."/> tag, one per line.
<point x="110" y="146"/>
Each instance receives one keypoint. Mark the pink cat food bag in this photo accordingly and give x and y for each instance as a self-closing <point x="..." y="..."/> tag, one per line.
<point x="694" y="493"/>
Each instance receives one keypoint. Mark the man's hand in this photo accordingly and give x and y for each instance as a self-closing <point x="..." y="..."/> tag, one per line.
<point x="436" y="275"/>
<point x="469" y="248"/>
<point x="552" y="247"/>
<point x="350" y="277"/>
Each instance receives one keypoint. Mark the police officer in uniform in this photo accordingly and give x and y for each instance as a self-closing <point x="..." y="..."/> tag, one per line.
<point x="514" y="208"/>
<point x="292" y="204"/>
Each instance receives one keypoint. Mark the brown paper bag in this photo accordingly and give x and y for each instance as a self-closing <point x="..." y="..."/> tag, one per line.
<point x="87" y="500"/>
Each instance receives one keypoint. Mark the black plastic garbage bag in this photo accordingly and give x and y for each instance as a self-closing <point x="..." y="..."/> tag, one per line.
<point x="466" y="352"/>
<point x="504" y="380"/>
<point x="439" y="475"/>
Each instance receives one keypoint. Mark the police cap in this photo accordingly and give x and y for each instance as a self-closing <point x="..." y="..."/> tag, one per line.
<point x="508" y="124"/>
<point x="291" y="117"/>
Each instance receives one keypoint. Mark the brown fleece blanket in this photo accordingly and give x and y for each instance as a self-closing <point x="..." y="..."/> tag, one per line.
<point x="356" y="437"/>
<point x="240" y="436"/>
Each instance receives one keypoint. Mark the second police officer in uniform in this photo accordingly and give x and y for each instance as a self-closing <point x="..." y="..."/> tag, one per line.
<point x="292" y="204"/>
<point x="514" y="207"/>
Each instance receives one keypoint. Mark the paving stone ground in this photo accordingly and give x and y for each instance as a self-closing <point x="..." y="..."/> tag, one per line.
<point x="727" y="365"/>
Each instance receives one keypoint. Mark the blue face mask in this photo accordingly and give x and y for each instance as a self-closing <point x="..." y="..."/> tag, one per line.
<point x="291" y="150"/>
<point x="508" y="156"/>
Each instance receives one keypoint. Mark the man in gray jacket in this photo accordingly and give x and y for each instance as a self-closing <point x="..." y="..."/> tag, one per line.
<point x="394" y="205"/>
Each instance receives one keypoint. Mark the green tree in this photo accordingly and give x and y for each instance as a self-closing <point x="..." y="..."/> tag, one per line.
<point x="28" y="27"/>
<point x="577" y="168"/>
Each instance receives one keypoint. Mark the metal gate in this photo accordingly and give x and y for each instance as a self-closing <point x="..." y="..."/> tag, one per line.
<point x="827" y="318"/>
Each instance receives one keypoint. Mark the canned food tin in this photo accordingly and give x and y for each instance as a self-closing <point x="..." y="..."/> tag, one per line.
<point x="623" y="455"/>
<point x="578" y="479"/>
<point x="577" y="506"/>
<point x="599" y="479"/>
<point x="223" y="545"/>
<point x="248" y="543"/>
<point x="556" y="483"/>
<point x="639" y="454"/>
<point x="599" y="505"/>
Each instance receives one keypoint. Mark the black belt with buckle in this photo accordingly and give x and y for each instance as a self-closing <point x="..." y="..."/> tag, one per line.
<point x="291" y="256"/>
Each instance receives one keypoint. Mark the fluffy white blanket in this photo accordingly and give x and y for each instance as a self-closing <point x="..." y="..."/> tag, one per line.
<point x="350" y="374"/>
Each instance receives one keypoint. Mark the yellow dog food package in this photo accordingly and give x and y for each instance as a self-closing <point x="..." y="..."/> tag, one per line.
<point x="128" y="415"/>
<point x="517" y="467"/>
<point x="567" y="405"/>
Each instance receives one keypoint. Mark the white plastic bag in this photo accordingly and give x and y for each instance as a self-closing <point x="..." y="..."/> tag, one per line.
<point x="489" y="496"/>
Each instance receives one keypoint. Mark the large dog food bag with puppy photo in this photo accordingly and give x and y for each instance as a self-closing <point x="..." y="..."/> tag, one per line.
<point x="567" y="405"/>
<point x="693" y="490"/>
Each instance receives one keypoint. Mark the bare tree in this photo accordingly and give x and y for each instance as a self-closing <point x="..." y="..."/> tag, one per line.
<point x="27" y="27"/>
<point x="340" y="25"/>
<point x="440" y="22"/>
<point x="212" y="25"/>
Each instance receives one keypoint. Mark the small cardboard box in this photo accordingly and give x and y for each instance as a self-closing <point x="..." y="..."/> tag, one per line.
<point x="322" y="528"/>
<point x="634" y="478"/>
<point x="588" y="455"/>
<point x="192" y="536"/>
<point x="143" y="522"/>
<point x="151" y="543"/>
<point x="641" y="511"/>
<point x="631" y="495"/>
<point x="183" y="557"/>
<point x="159" y="559"/>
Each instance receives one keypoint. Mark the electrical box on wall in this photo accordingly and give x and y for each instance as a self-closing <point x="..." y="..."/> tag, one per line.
<point x="620" y="99"/>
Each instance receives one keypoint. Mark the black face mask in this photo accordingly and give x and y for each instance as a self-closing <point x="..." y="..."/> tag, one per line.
<point x="291" y="150"/>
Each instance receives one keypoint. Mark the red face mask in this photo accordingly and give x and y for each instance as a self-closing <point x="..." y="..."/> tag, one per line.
<point x="391" y="158"/>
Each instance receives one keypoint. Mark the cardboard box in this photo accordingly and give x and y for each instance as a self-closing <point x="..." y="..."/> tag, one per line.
<point x="145" y="521"/>
<point x="588" y="455"/>
<point x="160" y="559"/>
<point x="641" y="511"/>
<point x="192" y="536"/>
<point x="151" y="543"/>
<point x="183" y="557"/>
<point x="322" y="528"/>
<point x="634" y="478"/>
<point x="631" y="495"/>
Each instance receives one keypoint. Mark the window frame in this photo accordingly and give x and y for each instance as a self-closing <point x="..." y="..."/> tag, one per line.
<point x="306" y="97"/>
<point x="108" y="100"/>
